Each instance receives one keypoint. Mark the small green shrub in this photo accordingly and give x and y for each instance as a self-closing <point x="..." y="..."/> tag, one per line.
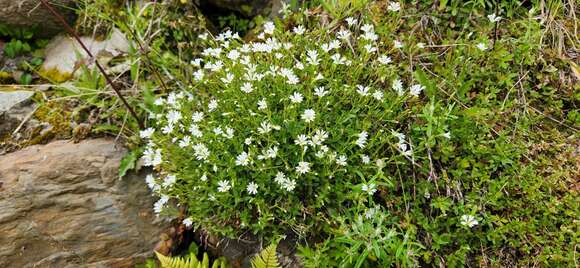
<point x="284" y="134"/>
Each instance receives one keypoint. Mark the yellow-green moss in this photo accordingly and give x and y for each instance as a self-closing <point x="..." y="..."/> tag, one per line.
<point x="54" y="75"/>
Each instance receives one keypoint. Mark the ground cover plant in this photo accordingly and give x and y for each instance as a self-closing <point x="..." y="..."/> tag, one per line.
<point x="375" y="134"/>
<point x="322" y="127"/>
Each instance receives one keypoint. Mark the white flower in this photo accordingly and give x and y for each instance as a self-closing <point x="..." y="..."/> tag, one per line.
<point x="194" y="129"/>
<point x="228" y="79"/>
<point x="224" y="186"/>
<point x="447" y="135"/>
<point x="421" y="45"/>
<point x="247" y="87"/>
<point x="362" y="139"/>
<point x="303" y="167"/>
<point x="380" y="163"/>
<point x="384" y="59"/>
<point x="159" y="101"/>
<point x="299" y="65"/>
<point x="398" y="44"/>
<point x="196" y="62"/>
<point x="243" y="159"/>
<point x="296" y="97"/>
<point x="262" y="104"/>
<point x="370" y="36"/>
<point x="252" y="188"/>
<point x="152" y="157"/>
<point x="150" y="180"/>
<point x="351" y="21"/>
<point x="378" y="95"/>
<point x="469" y="221"/>
<point x="289" y="185"/>
<point x="493" y="18"/>
<point x="415" y="90"/>
<point x="369" y="188"/>
<point x="341" y="160"/>
<point x="312" y="57"/>
<point x="197" y="117"/>
<point x="394" y="6"/>
<point x="280" y="178"/>
<point x="198" y="75"/>
<point x="167" y="129"/>
<point x="265" y="127"/>
<point x="212" y="105"/>
<point x="367" y="28"/>
<point x="323" y="150"/>
<point x="169" y="180"/>
<point x="269" y="27"/>
<point x="362" y="90"/>
<point x="158" y="206"/>
<point x="184" y="142"/>
<point x="292" y="79"/>
<point x="173" y="117"/>
<point x="319" y="137"/>
<point x="370" y="48"/>
<point x="320" y="91"/>
<point x="248" y="141"/>
<point x="218" y="131"/>
<point x="200" y="151"/>
<point x="308" y="115"/>
<point x="147" y="133"/>
<point x="343" y="34"/>
<point x="229" y="133"/>
<point x="233" y="54"/>
<point x="203" y="36"/>
<point x="302" y="140"/>
<point x="398" y="87"/>
<point x="299" y="30"/>
<point x="482" y="46"/>
<point x="365" y="159"/>
<point x="338" y="59"/>
<point x="203" y="177"/>
<point x="269" y="153"/>
<point x="188" y="222"/>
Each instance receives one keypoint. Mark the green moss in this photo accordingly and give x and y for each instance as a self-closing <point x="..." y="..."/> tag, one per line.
<point x="5" y="77"/>
<point x="54" y="75"/>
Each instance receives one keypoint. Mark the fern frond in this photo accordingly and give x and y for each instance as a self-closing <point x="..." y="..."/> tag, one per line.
<point x="267" y="258"/>
<point x="177" y="262"/>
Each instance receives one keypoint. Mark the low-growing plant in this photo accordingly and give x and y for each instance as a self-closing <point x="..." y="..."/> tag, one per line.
<point x="282" y="134"/>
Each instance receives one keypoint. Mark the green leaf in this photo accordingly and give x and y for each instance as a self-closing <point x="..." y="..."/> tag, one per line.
<point x="127" y="163"/>
<point x="26" y="79"/>
<point x="177" y="262"/>
<point x="267" y="258"/>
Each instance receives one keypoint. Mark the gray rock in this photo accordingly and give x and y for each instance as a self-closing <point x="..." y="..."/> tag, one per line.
<point x="10" y="99"/>
<point x="14" y="108"/>
<point x="31" y="14"/>
<point x="63" y="53"/>
<point x="62" y="205"/>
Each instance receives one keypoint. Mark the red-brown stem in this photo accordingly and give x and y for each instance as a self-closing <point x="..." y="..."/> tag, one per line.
<point x="101" y="69"/>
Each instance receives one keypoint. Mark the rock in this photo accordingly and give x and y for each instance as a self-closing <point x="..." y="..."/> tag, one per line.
<point x="63" y="55"/>
<point x="240" y="252"/>
<point x="31" y="14"/>
<point x="14" y="108"/>
<point x="63" y="205"/>
<point x="10" y="99"/>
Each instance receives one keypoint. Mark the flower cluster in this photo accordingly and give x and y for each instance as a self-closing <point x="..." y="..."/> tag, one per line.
<point x="275" y="133"/>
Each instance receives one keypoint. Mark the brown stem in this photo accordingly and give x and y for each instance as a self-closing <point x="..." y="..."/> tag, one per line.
<point x="101" y="69"/>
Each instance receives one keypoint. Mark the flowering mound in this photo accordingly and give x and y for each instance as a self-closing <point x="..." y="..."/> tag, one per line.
<point x="285" y="133"/>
